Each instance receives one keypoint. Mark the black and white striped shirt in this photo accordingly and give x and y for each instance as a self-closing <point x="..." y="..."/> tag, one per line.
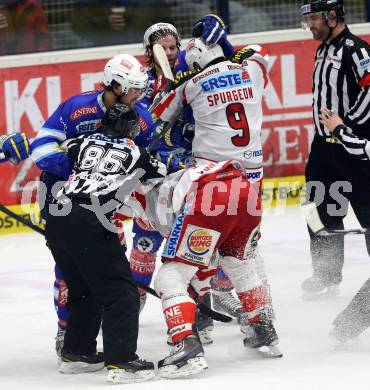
<point x="108" y="169"/>
<point x="356" y="146"/>
<point x="341" y="73"/>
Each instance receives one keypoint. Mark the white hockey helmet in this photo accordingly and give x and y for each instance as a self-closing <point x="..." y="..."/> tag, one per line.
<point x="199" y="54"/>
<point x="127" y="71"/>
<point x="160" y="30"/>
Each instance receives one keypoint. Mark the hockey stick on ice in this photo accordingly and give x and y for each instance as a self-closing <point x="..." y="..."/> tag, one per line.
<point x="313" y="219"/>
<point x="201" y="306"/>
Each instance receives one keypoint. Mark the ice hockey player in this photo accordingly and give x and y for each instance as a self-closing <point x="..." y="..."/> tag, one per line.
<point x="107" y="166"/>
<point x="146" y="242"/>
<point x="195" y="236"/>
<point x="211" y="29"/>
<point x="222" y="298"/>
<point x="14" y="148"/>
<point x="226" y="99"/>
<point x="123" y="81"/>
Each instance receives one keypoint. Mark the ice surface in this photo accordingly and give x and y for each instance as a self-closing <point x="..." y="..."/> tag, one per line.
<point x="28" y="323"/>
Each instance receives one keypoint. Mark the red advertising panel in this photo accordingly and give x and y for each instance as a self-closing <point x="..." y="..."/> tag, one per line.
<point x="30" y="94"/>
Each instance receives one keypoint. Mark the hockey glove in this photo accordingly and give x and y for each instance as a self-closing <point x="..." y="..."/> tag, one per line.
<point x="175" y="159"/>
<point x="182" y="134"/>
<point x="15" y="147"/>
<point x="211" y="29"/>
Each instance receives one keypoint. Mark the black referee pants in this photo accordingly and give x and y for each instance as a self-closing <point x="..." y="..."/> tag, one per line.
<point x="355" y="318"/>
<point x="100" y="286"/>
<point x="330" y="164"/>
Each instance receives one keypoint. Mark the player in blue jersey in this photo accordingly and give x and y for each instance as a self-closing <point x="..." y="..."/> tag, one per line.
<point x="14" y="148"/>
<point x="124" y="80"/>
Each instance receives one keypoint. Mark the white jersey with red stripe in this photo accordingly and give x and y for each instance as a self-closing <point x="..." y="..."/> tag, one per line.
<point x="226" y="99"/>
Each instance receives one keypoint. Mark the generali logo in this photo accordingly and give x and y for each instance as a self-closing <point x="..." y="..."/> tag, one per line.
<point x="82" y="111"/>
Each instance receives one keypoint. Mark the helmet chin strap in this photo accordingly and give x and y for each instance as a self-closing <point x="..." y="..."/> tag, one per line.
<point x="331" y="29"/>
<point x="118" y="96"/>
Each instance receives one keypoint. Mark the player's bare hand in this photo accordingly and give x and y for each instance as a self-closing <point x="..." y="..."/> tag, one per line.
<point x="329" y="119"/>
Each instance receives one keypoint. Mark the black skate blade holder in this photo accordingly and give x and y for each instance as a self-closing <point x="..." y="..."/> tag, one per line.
<point x="310" y="213"/>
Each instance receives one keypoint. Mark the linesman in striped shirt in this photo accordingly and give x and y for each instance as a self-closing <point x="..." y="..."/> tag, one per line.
<point x="355" y="318"/>
<point x="341" y="83"/>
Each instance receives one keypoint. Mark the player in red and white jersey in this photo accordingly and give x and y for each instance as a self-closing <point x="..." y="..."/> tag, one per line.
<point x="226" y="99"/>
<point x="222" y="212"/>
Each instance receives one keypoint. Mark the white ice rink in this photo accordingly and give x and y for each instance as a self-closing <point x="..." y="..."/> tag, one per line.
<point x="28" y="323"/>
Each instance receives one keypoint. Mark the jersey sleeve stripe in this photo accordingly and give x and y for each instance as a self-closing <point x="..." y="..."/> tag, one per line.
<point x="158" y="111"/>
<point x="264" y="72"/>
<point x="44" y="151"/>
<point x="357" y="147"/>
<point x="360" y="110"/>
<point x="57" y="134"/>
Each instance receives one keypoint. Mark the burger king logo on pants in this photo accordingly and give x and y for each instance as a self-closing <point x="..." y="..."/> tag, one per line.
<point x="199" y="242"/>
<point x="197" y="245"/>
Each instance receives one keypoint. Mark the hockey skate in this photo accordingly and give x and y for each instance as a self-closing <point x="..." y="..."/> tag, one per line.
<point x="315" y="288"/>
<point x="261" y="336"/>
<point x="204" y="323"/>
<point x="77" y="364"/>
<point x="138" y="370"/>
<point x="204" y="326"/>
<point x="185" y="359"/>
<point x="226" y="303"/>
<point x="59" y="340"/>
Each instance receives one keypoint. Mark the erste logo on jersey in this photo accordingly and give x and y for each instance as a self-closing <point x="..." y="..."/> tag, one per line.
<point x="88" y="126"/>
<point x="225" y="80"/>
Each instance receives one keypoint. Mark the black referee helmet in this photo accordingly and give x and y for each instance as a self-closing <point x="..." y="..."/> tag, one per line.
<point x="120" y="121"/>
